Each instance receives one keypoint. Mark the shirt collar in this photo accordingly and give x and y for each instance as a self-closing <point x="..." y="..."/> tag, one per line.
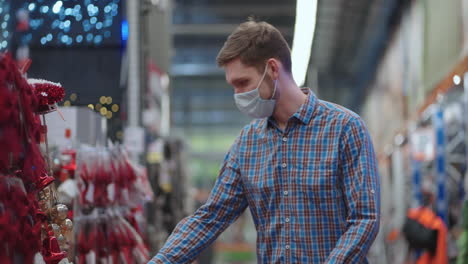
<point x="306" y="111"/>
<point x="303" y="115"/>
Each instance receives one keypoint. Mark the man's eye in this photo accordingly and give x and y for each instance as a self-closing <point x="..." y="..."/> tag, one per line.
<point x="243" y="83"/>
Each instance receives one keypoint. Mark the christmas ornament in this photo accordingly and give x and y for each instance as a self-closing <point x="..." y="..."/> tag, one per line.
<point x="48" y="94"/>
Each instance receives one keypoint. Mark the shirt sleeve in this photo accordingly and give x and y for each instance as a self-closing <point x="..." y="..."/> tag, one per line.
<point x="361" y="188"/>
<point x="196" y="232"/>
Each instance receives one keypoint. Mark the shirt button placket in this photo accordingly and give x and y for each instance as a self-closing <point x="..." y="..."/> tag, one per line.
<point x="285" y="174"/>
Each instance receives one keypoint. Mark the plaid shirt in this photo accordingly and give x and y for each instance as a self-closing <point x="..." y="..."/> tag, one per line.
<point x="312" y="189"/>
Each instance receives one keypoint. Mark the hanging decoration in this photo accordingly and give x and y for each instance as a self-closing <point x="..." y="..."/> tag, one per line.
<point x="109" y="215"/>
<point x="29" y="213"/>
<point x="48" y="94"/>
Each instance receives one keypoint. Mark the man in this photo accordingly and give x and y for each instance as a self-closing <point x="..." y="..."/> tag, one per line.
<point x="306" y="168"/>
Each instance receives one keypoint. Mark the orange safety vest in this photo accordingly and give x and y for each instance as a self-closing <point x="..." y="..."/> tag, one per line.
<point x="429" y="219"/>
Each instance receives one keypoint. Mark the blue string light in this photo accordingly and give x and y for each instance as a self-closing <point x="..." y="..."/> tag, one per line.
<point x="68" y="22"/>
<point x="97" y="39"/>
<point x="44" y="9"/>
<point x="4" y="24"/>
<point x="124" y="29"/>
<point x="57" y="7"/>
<point x="32" y="6"/>
<point x="89" y="37"/>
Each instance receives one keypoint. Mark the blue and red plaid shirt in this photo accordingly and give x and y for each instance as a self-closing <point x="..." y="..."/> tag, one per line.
<point x="312" y="189"/>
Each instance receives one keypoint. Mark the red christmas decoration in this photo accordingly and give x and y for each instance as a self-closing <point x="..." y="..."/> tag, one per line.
<point x="8" y="105"/>
<point x="51" y="251"/>
<point x="44" y="181"/>
<point x="48" y="94"/>
<point x="20" y="228"/>
<point x="23" y="172"/>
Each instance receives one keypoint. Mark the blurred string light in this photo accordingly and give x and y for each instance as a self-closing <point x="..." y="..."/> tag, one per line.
<point x="70" y="21"/>
<point x="57" y="7"/>
<point x="97" y="39"/>
<point x="103" y="111"/>
<point x="119" y="135"/>
<point x="115" y="108"/>
<point x="124" y="29"/>
<point x="304" y="29"/>
<point x="4" y="21"/>
<point x="456" y="79"/>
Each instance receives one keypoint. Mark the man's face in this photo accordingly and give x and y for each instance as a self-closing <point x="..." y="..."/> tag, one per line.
<point x="245" y="78"/>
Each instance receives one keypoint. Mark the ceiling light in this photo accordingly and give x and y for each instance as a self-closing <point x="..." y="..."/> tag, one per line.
<point x="306" y="15"/>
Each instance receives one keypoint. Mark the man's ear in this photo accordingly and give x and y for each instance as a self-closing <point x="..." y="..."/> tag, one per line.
<point x="274" y="68"/>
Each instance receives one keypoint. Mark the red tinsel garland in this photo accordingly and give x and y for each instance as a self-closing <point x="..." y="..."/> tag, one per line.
<point x="48" y="93"/>
<point x="20" y="229"/>
<point x="21" y="160"/>
<point x="19" y="126"/>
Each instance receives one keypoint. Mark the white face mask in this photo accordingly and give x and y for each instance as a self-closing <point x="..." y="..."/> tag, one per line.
<point x="251" y="104"/>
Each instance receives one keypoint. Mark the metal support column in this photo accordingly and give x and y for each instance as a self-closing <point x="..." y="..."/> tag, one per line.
<point x="440" y="164"/>
<point x="134" y="65"/>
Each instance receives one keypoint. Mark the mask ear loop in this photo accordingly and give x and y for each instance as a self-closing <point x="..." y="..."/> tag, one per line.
<point x="263" y="76"/>
<point x="274" y="89"/>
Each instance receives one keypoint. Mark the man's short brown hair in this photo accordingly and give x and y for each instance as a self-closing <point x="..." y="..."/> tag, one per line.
<point x="254" y="43"/>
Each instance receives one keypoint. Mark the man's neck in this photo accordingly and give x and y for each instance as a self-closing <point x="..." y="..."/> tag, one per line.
<point x="289" y="102"/>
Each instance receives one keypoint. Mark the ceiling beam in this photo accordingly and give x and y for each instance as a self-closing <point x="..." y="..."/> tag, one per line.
<point x="240" y="10"/>
<point x="215" y="29"/>
<point x="195" y="69"/>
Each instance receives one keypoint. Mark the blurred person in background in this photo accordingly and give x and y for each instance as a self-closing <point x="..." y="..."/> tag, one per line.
<point x="305" y="167"/>
<point x="426" y="233"/>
